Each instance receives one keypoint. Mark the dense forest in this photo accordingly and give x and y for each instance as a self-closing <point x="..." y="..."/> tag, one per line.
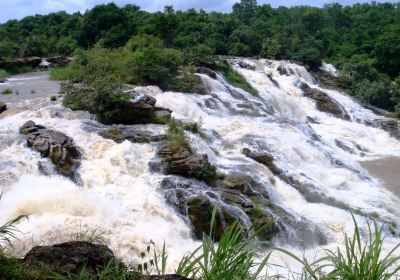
<point x="363" y="40"/>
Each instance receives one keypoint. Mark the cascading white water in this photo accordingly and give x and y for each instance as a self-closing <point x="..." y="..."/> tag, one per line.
<point x="121" y="196"/>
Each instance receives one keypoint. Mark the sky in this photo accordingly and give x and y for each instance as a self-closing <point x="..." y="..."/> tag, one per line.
<point x="17" y="9"/>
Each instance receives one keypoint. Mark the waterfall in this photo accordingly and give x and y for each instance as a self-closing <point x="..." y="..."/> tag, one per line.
<point x="121" y="196"/>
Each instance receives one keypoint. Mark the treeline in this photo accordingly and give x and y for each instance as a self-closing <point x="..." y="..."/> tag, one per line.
<point x="362" y="40"/>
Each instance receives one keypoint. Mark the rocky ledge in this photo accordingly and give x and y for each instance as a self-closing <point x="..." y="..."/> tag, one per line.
<point x="70" y="258"/>
<point x="120" y="133"/>
<point x="57" y="147"/>
<point x="390" y="125"/>
<point x="324" y="102"/>
<point x="3" y="107"/>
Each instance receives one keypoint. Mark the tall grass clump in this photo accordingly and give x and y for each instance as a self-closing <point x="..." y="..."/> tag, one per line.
<point x="176" y="136"/>
<point x="234" y="78"/>
<point x="6" y="91"/>
<point x="232" y="258"/>
<point x="62" y="74"/>
<point x="359" y="260"/>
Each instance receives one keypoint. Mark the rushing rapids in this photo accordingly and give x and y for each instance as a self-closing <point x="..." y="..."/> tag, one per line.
<point x="318" y="154"/>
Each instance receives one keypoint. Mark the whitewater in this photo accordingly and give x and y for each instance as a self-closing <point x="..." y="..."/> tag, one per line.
<point x="121" y="196"/>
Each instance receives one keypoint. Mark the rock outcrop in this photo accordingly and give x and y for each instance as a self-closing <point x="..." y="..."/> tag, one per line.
<point x="120" y="133"/>
<point x="70" y="257"/>
<point x="206" y="71"/>
<point x="324" y="102"/>
<point x="56" y="146"/>
<point x="3" y="107"/>
<point x="140" y="110"/>
<point x="390" y="125"/>
<point x="33" y="62"/>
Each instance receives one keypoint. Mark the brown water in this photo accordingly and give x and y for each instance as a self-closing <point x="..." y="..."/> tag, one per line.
<point x="28" y="86"/>
<point x="387" y="170"/>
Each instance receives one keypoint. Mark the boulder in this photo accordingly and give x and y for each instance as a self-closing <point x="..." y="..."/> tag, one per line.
<point x="120" y="133"/>
<point x="264" y="158"/>
<point x="70" y="257"/>
<point x="247" y="66"/>
<point x="390" y="125"/>
<point x="58" y="61"/>
<point x="140" y="110"/>
<point x="283" y="71"/>
<point x="206" y="71"/>
<point x="3" y="107"/>
<point x="200" y="210"/>
<point x="324" y="102"/>
<point x="56" y="146"/>
<point x="3" y="80"/>
<point x="182" y="161"/>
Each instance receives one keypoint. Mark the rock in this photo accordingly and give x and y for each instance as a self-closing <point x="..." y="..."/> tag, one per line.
<point x="57" y="61"/>
<point x="3" y="80"/>
<point x="283" y="71"/>
<point x="324" y="102"/>
<point x="3" y="107"/>
<point x="245" y="65"/>
<point x="200" y="214"/>
<point x="70" y="257"/>
<point x="121" y="133"/>
<point x="140" y="110"/>
<point x="182" y="161"/>
<point x="206" y="71"/>
<point x="33" y="62"/>
<point x="390" y="125"/>
<point x="56" y="146"/>
<point x="263" y="158"/>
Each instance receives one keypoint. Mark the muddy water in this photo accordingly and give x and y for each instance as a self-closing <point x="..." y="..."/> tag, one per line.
<point x="28" y="86"/>
<point x="387" y="170"/>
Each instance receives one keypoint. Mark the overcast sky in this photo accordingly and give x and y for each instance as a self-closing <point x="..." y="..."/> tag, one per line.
<point x="17" y="9"/>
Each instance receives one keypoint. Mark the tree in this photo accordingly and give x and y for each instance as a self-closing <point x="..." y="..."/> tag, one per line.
<point x="245" y="10"/>
<point x="270" y="48"/>
<point x="200" y="55"/>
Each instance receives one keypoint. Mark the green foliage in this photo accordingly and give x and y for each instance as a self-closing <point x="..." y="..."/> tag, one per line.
<point x="176" y="136"/>
<point x="89" y="235"/>
<point x="200" y="55"/>
<point x="192" y="127"/>
<point x="3" y="73"/>
<point x="234" y="78"/>
<point x="6" y="91"/>
<point x="14" y="70"/>
<point x="153" y="262"/>
<point x="144" y="41"/>
<point x="62" y="74"/>
<point x="156" y="66"/>
<point x="208" y="173"/>
<point x="360" y="260"/>
<point x="189" y="83"/>
<point x="270" y="48"/>
<point x="310" y="56"/>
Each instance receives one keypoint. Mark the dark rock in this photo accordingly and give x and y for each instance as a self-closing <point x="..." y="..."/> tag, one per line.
<point x="263" y="158"/>
<point x="140" y="110"/>
<point x="206" y="71"/>
<point x="70" y="257"/>
<point x="2" y="80"/>
<point x="389" y="125"/>
<point x="344" y="147"/>
<point x="56" y="146"/>
<point x="3" y="107"/>
<point x="57" y="61"/>
<point x="245" y="65"/>
<point x="327" y="80"/>
<point x="33" y="62"/>
<point x="182" y="161"/>
<point x="200" y="214"/>
<point x="282" y="70"/>
<point x="122" y="133"/>
<point x="324" y="102"/>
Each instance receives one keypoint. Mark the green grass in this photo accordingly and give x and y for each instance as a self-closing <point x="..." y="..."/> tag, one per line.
<point x="234" y="78"/>
<point x="62" y="74"/>
<point x="176" y="136"/>
<point x="360" y="260"/>
<point x="6" y="91"/>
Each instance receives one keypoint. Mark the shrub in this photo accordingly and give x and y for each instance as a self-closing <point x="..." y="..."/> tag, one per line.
<point x="200" y="55"/>
<point x="53" y="98"/>
<point x="189" y="83"/>
<point x="176" y="136"/>
<point x="6" y="91"/>
<point x="3" y="73"/>
<point x="62" y="74"/>
<point x="234" y="78"/>
<point x="156" y="66"/>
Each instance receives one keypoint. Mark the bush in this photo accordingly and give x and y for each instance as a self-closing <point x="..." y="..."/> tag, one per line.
<point x="310" y="56"/>
<point x="156" y="66"/>
<point x="176" y="136"/>
<point x="143" y="41"/>
<point x="62" y="74"/>
<point x="3" y="73"/>
<point x="200" y="55"/>
<point x="6" y="91"/>
<point x="190" y="83"/>
<point x="234" y="78"/>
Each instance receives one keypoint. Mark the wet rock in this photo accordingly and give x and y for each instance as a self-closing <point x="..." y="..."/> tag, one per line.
<point x="140" y="110"/>
<point x="324" y="102"/>
<point x="2" y="80"/>
<point x="121" y="133"/>
<point x="3" y="107"/>
<point x="184" y="162"/>
<point x="56" y="146"/>
<point x="344" y="147"/>
<point x="32" y="61"/>
<point x="200" y="214"/>
<point x="58" y="61"/>
<point x="282" y="70"/>
<point x="70" y="257"/>
<point x="245" y="65"/>
<point x="206" y="71"/>
<point x="389" y="125"/>
<point x="263" y="158"/>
